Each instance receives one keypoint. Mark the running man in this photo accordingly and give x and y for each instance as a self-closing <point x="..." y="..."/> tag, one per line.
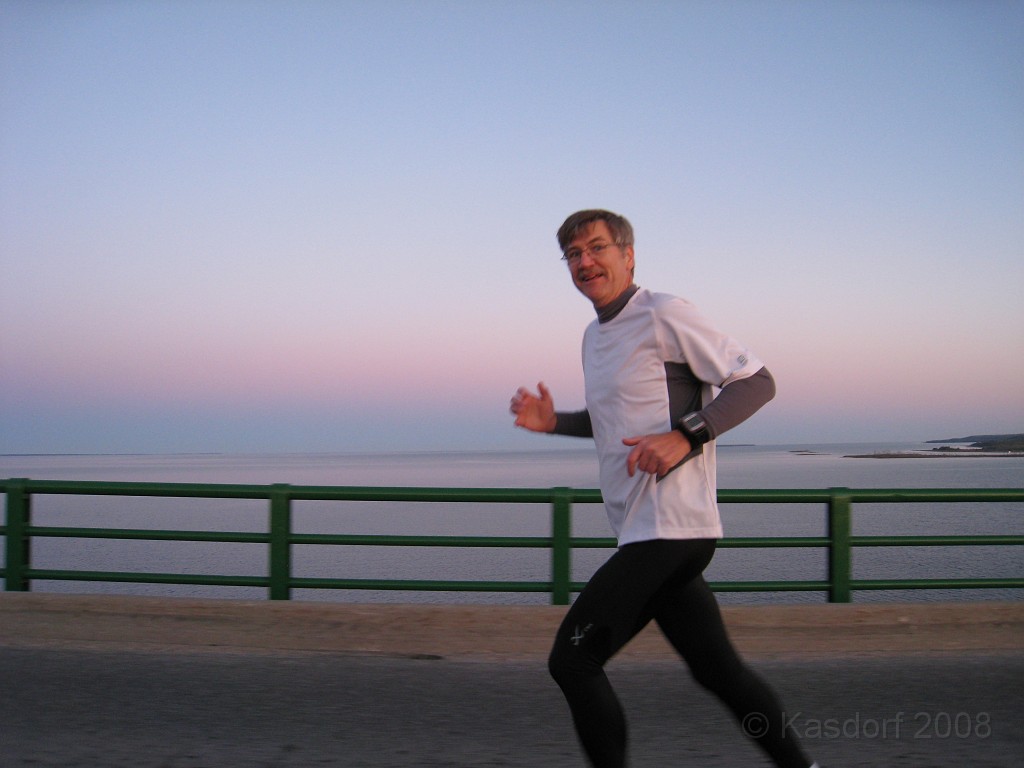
<point x="651" y="363"/>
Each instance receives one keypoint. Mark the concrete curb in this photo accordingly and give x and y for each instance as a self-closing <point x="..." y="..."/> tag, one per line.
<point x="484" y="632"/>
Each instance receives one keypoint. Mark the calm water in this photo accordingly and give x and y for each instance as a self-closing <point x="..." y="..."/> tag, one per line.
<point x="800" y="466"/>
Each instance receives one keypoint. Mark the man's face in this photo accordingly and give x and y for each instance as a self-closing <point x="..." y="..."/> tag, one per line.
<point x="600" y="269"/>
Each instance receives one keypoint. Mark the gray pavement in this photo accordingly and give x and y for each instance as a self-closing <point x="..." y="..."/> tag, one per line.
<point x="105" y="683"/>
<point x="114" y="709"/>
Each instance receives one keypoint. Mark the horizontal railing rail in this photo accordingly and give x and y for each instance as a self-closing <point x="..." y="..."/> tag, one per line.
<point x="279" y="537"/>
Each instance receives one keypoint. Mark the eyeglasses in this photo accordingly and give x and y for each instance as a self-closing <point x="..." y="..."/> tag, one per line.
<point x="596" y="250"/>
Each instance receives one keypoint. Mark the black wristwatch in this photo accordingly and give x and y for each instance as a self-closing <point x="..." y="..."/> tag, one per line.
<point x="695" y="429"/>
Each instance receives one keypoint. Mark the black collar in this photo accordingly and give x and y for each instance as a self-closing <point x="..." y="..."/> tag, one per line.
<point x="610" y="311"/>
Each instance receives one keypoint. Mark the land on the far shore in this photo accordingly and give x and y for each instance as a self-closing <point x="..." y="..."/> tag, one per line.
<point x="975" y="445"/>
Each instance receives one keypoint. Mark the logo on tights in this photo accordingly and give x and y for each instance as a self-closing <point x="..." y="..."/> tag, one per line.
<point x="578" y="634"/>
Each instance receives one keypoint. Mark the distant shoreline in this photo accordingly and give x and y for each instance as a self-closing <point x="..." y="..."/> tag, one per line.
<point x="937" y="454"/>
<point x="978" y="446"/>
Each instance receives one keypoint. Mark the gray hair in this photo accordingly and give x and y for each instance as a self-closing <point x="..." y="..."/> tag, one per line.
<point x="620" y="228"/>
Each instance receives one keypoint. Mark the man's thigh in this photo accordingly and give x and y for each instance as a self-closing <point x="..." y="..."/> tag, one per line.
<point x="620" y="598"/>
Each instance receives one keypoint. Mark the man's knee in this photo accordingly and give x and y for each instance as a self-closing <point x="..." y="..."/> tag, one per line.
<point x="556" y="664"/>
<point x="578" y="654"/>
<point x="721" y="675"/>
<point x="563" y="663"/>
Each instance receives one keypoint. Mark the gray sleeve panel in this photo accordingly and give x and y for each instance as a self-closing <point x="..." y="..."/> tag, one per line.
<point x="574" y="423"/>
<point x="738" y="401"/>
<point x="684" y="391"/>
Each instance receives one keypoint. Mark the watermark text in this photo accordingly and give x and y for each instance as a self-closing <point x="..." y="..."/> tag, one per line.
<point x="900" y="725"/>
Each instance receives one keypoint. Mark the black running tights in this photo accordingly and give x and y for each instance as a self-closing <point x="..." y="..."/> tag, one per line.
<point x="658" y="580"/>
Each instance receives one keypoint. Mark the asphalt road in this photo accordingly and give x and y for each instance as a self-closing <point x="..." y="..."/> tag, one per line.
<point x="114" y="708"/>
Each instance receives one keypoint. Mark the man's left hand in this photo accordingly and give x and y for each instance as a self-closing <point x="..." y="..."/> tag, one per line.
<point x="656" y="454"/>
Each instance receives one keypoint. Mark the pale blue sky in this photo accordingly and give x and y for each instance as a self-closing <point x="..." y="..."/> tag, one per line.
<point x="266" y="226"/>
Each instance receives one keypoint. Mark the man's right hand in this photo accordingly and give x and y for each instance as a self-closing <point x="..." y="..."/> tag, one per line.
<point x="534" y="412"/>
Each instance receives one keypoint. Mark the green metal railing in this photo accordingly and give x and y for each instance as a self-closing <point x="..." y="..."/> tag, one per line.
<point x="839" y="541"/>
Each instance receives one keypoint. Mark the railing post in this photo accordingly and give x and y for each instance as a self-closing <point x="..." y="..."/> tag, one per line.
<point x="840" y="527"/>
<point x="561" y="551"/>
<point x="280" y="542"/>
<point x="18" y="551"/>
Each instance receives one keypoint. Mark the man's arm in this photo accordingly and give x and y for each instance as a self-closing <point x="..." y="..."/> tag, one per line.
<point x="574" y="423"/>
<point x="536" y="412"/>
<point x="737" y="402"/>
